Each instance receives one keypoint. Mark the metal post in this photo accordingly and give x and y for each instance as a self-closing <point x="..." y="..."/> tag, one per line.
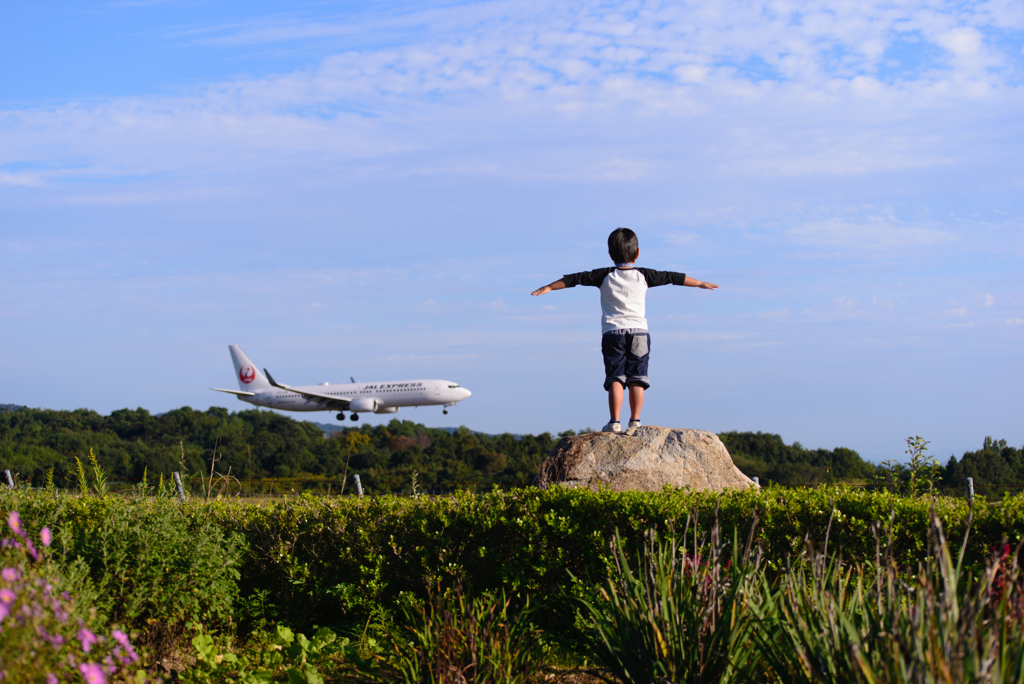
<point x="756" y="481"/>
<point x="177" y="482"/>
<point x="359" y="486"/>
<point x="10" y="480"/>
<point x="970" y="488"/>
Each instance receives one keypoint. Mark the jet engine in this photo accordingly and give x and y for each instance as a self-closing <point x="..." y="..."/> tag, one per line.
<point x="363" y="405"/>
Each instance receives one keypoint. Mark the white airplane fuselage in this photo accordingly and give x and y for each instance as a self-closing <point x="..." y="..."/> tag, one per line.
<point x="387" y="394"/>
<point x="261" y="389"/>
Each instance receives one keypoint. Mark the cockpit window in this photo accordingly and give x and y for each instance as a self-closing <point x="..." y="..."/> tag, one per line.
<point x="453" y="386"/>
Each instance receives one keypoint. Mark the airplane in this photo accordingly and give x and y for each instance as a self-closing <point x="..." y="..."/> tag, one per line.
<point x="261" y="389"/>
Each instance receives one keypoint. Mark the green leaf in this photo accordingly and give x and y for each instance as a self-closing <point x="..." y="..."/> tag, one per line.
<point x="307" y="675"/>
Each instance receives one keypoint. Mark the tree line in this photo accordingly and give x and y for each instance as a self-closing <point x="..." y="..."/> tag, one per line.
<point x="263" y="445"/>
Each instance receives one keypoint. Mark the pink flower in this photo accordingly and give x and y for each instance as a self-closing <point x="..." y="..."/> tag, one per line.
<point x="14" y="521"/>
<point x="10" y="574"/>
<point x="45" y="536"/>
<point x="122" y="638"/>
<point x="93" y="673"/>
<point x="4" y="611"/>
<point x="52" y="679"/>
<point x="7" y="596"/>
<point x="88" y="639"/>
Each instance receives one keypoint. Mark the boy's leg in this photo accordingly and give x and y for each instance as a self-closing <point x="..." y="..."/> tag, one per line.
<point x="637" y="356"/>
<point x="613" y="350"/>
<point x="615" y="400"/>
<point x="636" y="401"/>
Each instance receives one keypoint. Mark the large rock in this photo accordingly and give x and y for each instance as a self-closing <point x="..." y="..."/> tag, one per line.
<point x="646" y="458"/>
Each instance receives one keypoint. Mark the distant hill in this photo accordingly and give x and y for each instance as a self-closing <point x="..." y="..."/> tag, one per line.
<point x="256" y="444"/>
<point x="996" y="467"/>
<point x="10" y="407"/>
<point x="766" y="456"/>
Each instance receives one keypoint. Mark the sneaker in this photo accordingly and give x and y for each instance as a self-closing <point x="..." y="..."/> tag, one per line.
<point x="633" y="424"/>
<point x="612" y="426"/>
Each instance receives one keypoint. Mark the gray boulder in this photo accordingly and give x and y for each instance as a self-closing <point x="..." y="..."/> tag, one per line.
<point x="646" y="458"/>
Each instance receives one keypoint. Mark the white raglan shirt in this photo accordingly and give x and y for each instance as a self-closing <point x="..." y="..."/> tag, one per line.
<point x="624" y="293"/>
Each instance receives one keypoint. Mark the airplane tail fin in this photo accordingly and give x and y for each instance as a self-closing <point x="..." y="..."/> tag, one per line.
<point x="249" y="376"/>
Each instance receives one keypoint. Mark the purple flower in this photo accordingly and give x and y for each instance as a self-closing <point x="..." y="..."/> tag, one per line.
<point x="45" y="536"/>
<point x="93" y="673"/>
<point x="52" y="679"/>
<point x="4" y="611"/>
<point x="10" y="574"/>
<point x="88" y="639"/>
<point x="14" y="522"/>
<point x="7" y="596"/>
<point x="122" y="638"/>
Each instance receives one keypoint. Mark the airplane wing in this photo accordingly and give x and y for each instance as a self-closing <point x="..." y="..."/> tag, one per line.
<point x="238" y="392"/>
<point x="336" y="403"/>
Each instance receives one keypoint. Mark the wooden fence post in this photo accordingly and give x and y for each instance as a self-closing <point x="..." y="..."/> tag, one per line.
<point x="970" y="488"/>
<point x="10" y="480"/>
<point x="177" y="483"/>
<point x="359" y="486"/>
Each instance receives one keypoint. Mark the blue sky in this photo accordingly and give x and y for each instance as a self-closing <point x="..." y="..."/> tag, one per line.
<point x="374" y="189"/>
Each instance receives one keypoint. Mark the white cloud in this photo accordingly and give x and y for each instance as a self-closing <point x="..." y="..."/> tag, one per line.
<point x="681" y="238"/>
<point x="880" y="234"/>
<point x="591" y="93"/>
<point x="783" y="313"/>
<point x="28" y="180"/>
<point x="989" y="300"/>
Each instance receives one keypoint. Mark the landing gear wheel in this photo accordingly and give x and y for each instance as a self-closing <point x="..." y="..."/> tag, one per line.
<point x="445" y="412"/>
<point x="340" y="416"/>
<point x="354" y="416"/>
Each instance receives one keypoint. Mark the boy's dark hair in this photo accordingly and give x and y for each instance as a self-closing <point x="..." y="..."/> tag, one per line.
<point x="623" y="246"/>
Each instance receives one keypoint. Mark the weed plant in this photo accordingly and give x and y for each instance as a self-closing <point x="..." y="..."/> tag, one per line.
<point x="680" y="613"/>
<point x="830" y="622"/>
<point x="454" y="639"/>
<point x="285" y="657"/>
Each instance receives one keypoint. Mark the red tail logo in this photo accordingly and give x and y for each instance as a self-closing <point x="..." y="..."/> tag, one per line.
<point x="247" y="374"/>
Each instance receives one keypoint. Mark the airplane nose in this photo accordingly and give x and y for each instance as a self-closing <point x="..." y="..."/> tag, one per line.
<point x="465" y="393"/>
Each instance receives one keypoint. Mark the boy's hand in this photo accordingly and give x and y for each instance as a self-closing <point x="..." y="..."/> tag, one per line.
<point x="557" y="285"/>
<point x="693" y="282"/>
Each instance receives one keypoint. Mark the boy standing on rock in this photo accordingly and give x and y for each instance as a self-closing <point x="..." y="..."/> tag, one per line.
<point x="625" y="342"/>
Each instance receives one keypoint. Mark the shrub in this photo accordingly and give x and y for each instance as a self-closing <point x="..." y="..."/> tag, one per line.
<point x="40" y="639"/>
<point x="148" y="563"/>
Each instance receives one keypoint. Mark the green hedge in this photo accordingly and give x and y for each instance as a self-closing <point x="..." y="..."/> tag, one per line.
<point x="331" y="560"/>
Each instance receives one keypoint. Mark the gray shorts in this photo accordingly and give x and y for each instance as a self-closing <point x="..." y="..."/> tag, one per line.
<point x="626" y="353"/>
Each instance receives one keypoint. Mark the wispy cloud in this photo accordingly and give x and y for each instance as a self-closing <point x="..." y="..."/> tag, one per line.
<point x="766" y="86"/>
<point x="879" y="234"/>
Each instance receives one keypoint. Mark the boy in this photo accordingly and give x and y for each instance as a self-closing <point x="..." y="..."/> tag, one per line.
<point x="625" y="342"/>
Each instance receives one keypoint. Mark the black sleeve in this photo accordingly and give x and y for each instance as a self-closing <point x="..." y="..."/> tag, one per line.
<point x="658" y="278"/>
<point x="592" y="278"/>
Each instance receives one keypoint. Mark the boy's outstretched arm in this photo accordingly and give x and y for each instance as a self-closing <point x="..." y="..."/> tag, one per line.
<point x="693" y="282"/>
<point x="557" y="285"/>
